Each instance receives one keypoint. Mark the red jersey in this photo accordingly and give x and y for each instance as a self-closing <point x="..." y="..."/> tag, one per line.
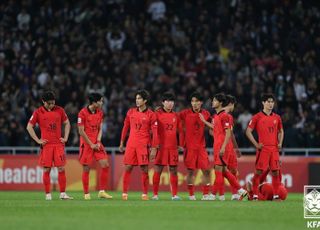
<point x="194" y="128"/>
<point x="221" y="121"/>
<point x="140" y="124"/>
<point x="91" y="123"/>
<point x="50" y="123"/>
<point x="267" y="127"/>
<point x="168" y="127"/>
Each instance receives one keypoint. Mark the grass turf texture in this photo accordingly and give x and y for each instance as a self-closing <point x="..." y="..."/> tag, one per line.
<point x="29" y="210"/>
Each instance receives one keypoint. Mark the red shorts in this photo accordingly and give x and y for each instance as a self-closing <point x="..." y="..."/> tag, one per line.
<point x="52" y="155"/>
<point x="267" y="158"/>
<point x="136" y="156"/>
<point x="196" y="159"/>
<point x="232" y="161"/>
<point x="167" y="157"/>
<point x="87" y="154"/>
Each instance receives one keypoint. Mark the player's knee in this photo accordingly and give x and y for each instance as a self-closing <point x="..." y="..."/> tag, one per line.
<point x="173" y="170"/>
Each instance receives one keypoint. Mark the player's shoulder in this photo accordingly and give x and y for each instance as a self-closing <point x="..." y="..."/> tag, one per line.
<point x="58" y="108"/>
<point x="276" y="115"/>
<point x="84" y="110"/>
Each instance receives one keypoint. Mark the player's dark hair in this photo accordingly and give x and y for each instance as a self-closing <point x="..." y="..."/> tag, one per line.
<point x="168" y="96"/>
<point x="48" y="96"/>
<point x="221" y="97"/>
<point x="266" y="96"/>
<point x="196" y="95"/>
<point x="94" y="97"/>
<point x="144" y="94"/>
<point x="231" y="99"/>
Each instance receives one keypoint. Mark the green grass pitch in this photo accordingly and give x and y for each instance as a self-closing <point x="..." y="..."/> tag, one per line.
<point x="29" y="210"/>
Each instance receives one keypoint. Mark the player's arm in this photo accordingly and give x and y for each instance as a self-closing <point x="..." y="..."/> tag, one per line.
<point x="280" y="138"/>
<point x="83" y="134"/>
<point x="205" y="121"/>
<point x="155" y="137"/>
<point x="32" y="133"/>
<point x="67" y="128"/>
<point x="126" y="126"/>
<point x="180" y="128"/>
<point x="252" y="139"/>
<point x="225" y="142"/>
<point x="235" y="144"/>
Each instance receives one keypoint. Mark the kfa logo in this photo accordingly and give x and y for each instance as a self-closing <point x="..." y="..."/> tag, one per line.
<point x="311" y="201"/>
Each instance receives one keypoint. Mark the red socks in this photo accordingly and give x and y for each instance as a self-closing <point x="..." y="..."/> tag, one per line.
<point x="255" y="183"/>
<point x="85" y="182"/>
<point x="46" y="181"/>
<point x="191" y="189"/>
<point x="145" y="182"/>
<point x="205" y="189"/>
<point x="62" y="181"/>
<point x="156" y="182"/>
<point x="174" y="184"/>
<point x="103" y="179"/>
<point x="126" y="181"/>
<point x="218" y="183"/>
<point x="232" y="180"/>
<point x="275" y="184"/>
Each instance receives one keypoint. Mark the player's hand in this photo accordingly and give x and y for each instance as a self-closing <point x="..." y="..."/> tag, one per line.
<point x="238" y="153"/>
<point x="279" y="146"/>
<point x="210" y="132"/>
<point x="180" y="149"/>
<point x="42" y="142"/>
<point x="121" y="148"/>
<point x="221" y="152"/>
<point x="153" y="153"/>
<point x="95" y="147"/>
<point x="63" y="140"/>
<point x="259" y="146"/>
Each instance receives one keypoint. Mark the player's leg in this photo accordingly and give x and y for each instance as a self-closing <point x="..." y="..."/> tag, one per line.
<point x="261" y="164"/>
<point x="234" y="191"/>
<point x="60" y="161"/>
<point x="190" y="163"/>
<point x="174" y="181"/>
<point x="45" y="160"/>
<point x="129" y="160"/>
<point x="156" y="180"/>
<point x="126" y="181"/>
<point x="103" y="178"/>
<point x="85" y="181"/>
<point x="85" y="158"/>
<point x="145" y="182"/>
<point x="102" y="157"/>
<point x="203" y="164"/>
<point x="46" y="182"/>
<point x="218" y="186"/>
<point x="190" y="181"/>
<point x="276" y="177"/>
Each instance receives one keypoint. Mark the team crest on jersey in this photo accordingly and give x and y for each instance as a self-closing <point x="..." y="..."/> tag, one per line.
<point x="274" y="121"/>
<point x="174" y="119"/>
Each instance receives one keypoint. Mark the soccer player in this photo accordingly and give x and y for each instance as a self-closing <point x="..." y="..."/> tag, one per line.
<point x="265" y="189"/>
<point x="168" y="127"/>
<point x="235" y="153"/>
<point x="90" y="121"/>
<point x="195" y="154"/>
<point x="50" y="119"/>
<point x="222" y="148"/>
<point x="270" y="133"/>
<point x="141" y="121"/>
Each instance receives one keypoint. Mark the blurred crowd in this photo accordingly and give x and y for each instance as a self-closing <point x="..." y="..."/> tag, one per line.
<point x="115" y="47"/>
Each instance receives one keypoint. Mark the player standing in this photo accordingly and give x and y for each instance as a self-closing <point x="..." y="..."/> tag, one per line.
<point x="90" y="121"/>
<point x="235" y="153"/>
<point x="168" y="127"/>
<point x="195" y="154"/>
<point x="141" y="121"/>
<point x="222" y="148"/>
<point x="50" y="119"/>
<point x="270" y="136"/>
